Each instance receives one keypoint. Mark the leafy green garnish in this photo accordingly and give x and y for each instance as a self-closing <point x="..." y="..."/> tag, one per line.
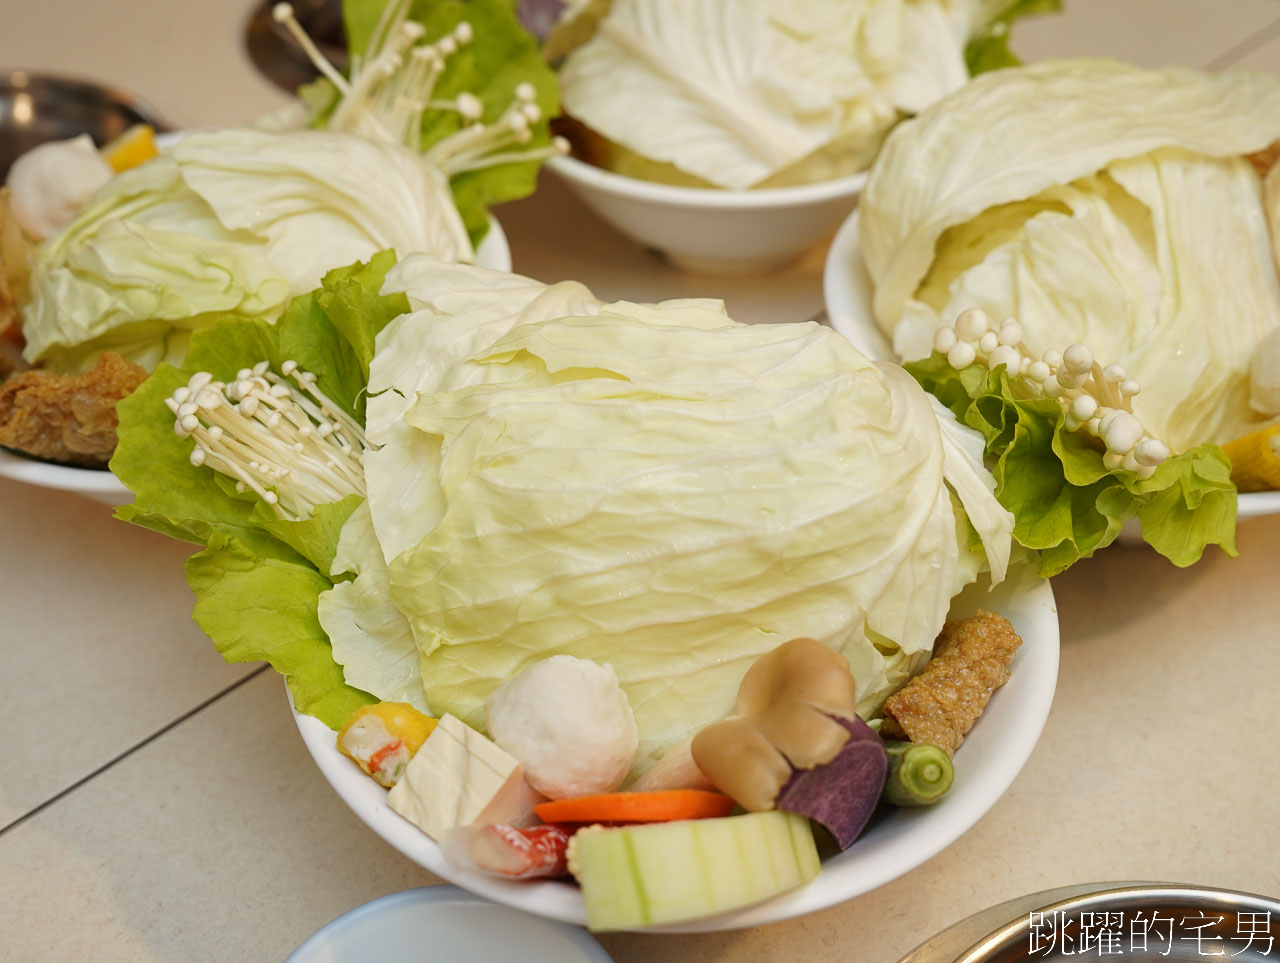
<point x="988" y="48"/>
<point x="1066" y="503"/>
<point x="258" y="577"/>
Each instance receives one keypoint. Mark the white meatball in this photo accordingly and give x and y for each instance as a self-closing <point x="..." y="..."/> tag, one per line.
<point x="568" y="723"/>
<point x="49" y="185"/>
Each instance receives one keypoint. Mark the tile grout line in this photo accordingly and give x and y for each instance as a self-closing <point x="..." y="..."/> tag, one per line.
<point x="132" y="749"/>
<point x="1246" y="46"/>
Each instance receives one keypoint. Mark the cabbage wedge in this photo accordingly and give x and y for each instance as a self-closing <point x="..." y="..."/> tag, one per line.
<point x="1097" y="203"/>
<point x="659" y="488"/>
<point x="1102" y="205"/>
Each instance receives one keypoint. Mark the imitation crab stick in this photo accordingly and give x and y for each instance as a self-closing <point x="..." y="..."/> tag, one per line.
<point x="636" y="807"/>
<point x="509" y="852"/>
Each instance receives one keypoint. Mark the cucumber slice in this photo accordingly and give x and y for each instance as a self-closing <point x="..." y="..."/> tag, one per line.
<point x="636" y="876"/>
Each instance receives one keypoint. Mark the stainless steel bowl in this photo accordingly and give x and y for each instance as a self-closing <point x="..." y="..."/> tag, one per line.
<point x="35" y="108"/>
<point x="1149" y="921"/>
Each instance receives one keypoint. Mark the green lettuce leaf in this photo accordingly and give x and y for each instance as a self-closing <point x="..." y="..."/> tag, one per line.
<point x="1066" y="502"/>
<point x="260" y="603"/>
<point x="258" y="578"/>
<point x="988" y="48"/>
<point x="501" y="55"/>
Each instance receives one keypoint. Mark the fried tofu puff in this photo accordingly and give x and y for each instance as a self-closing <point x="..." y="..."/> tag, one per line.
<point x="970" y="661"/>
<point x="67" y="418"/>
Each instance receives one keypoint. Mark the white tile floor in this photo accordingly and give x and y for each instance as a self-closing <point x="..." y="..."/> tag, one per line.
<point x="212" y="836"/>
<point x="83" y="697"/>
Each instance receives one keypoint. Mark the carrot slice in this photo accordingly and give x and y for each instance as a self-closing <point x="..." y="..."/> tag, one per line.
<point x="636" y="807"/>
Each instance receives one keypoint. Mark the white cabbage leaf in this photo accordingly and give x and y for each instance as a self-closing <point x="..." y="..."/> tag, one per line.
<point x="458" y="310"/>
<point x="1160" y="259"/>
<point x="1011" y="134"/>
<point x="974" y="487"/>
<point x="664" y="490"/>
<point x="227" y="222"/>
<point x="736" y="91"/>
<point x="1271" y="198"/>
<point x="370" y="637"/>
<point x="928" y="62"/>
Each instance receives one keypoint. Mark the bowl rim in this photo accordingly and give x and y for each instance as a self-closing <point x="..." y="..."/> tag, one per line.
<point x="711" y="198"/>
<point x="896" y="844"/>
<point x="846" y="293"/>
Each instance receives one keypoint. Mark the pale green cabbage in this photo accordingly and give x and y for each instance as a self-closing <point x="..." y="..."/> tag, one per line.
<point x="228" y="222"/>
<point x="371" y="639"/>
<point x="736" y="92"/>
<point x="1097" y="203"/>
<point x="461" y="310"/>
<point x="658" y="488"/>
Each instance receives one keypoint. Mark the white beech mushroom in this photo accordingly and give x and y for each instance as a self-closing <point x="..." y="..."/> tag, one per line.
<point x="1096" y="399"/>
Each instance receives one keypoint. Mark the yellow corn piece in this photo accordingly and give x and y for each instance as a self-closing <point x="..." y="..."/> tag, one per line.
<point x="135" y="146"/>
<point x="1255" y="460"/>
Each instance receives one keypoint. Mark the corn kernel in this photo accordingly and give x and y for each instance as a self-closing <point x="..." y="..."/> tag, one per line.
<point x="135" y="146"/>
<point x="1255" y="462"/>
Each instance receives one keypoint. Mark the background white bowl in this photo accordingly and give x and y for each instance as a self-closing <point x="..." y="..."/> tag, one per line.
<point x="848" y="292"/>
<point x="709" y="231"/>
<point x="100" y="485"/>
<point x="902" y="839"/>
<point x="443" y="924"/>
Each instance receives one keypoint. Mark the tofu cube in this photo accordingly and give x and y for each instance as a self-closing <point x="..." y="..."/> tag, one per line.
<point x="461" y="778"/>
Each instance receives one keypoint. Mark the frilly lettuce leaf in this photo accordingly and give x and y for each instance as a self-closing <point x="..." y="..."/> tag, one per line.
<point x="501" y="56"/>
<point x="253" y="562"/>
<point x="1066" y="502"/>
<point x="259" y="603"/>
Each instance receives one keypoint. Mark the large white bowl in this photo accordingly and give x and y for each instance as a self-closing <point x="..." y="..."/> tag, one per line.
<point x="102" y="486"/>
<point x="848" y="292"/>
<point x="986" y="764"/>
<point x="710" y="231"/>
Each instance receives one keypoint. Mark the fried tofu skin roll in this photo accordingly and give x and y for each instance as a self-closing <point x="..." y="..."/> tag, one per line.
<point x="67" y="418"/>
<point x="970" y="661"/>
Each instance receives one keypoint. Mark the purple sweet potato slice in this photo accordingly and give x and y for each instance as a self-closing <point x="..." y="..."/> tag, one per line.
<point x="841" y="795"/>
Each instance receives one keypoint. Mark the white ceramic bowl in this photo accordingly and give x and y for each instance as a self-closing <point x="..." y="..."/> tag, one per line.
<point x="848" y="292"/>
<point x="102" y="486"/>
<point x="442" y="924"/>
<point x="986" y="764"/>
<point x="709" y="231"/>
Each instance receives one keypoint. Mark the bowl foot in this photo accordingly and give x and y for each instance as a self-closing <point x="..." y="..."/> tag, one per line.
<point x="728" y="266"/>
